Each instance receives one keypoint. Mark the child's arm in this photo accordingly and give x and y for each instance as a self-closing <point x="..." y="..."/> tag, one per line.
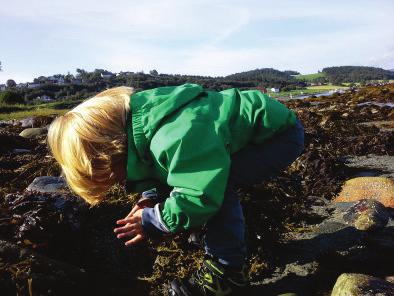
<point x="198" y="165"/>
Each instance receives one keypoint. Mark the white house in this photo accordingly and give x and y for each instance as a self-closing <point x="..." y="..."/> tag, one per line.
<point x="56" y="80"/>
<point x="76" y="81"/>
<point x="33" y="85"/>
<point x="107" y="75"/>
<point x="21" y="85"/>
<point x="43" y="98"/>
<point x="274" y="90"/>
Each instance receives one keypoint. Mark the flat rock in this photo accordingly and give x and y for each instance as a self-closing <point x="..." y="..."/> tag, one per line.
<point x="378" y="188"/>
<point x="32" y="132"/>
<point x="352" y="284"/>
<point x="384" y="164"/>
<point x="48" y="184"/>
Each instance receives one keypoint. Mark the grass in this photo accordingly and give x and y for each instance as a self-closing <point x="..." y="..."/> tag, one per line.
<point x="310" y="77"/>
<point x="310" y="90"/>
<point x="20" y="111"/>
<point x="33" y="112"/>
<point x="326" y="87"/>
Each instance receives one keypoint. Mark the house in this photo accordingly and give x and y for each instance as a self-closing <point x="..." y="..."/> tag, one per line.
<point x="33" y="85"/>
<point x="76" y="81"/>
<point x="21" y="85"/>
<point x="2" y="86"/>
<point x="56" y="80"/>
<point x="274" y="90"/>
<point x="43" y="98"/>
<point x="107" y="75"/>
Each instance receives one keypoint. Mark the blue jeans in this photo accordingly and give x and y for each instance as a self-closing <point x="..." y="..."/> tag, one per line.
<point x="225" y="232"/>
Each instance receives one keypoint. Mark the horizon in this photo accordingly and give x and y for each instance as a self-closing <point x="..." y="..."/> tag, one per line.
<point x="178" y="37"/>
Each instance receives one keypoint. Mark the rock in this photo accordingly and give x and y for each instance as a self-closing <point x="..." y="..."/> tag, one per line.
<point x="4" y="123"/>
<point x="381" y="165"/>
<point x="32" y="132"/>
<point x="352" y="284"/>
<point x="367" y="214"/>
<point x="27" y="122"/>
<point x="47" y="184"/>
<point x="36" y="121"/>
<point x="378" y="188"/>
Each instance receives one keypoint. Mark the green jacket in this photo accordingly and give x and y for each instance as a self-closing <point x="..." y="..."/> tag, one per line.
<point x="184" y="136"/>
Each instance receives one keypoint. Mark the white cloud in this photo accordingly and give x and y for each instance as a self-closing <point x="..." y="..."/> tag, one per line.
<point x="176" y="36"/>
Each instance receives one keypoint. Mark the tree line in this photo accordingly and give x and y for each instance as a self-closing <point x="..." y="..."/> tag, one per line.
<point x="85" y="84"/>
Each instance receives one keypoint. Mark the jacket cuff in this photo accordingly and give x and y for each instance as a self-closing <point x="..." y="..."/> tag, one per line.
<point x="152" y="222"/>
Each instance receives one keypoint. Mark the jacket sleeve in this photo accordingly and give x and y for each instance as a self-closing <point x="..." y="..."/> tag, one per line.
<point x="198" y="167"/>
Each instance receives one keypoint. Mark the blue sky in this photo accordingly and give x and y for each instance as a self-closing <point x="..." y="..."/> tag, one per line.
<point x="46" y="37"/>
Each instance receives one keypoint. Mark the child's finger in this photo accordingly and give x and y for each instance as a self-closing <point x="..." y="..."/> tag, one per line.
<point x="127" y="227"/>
<point x="125" y="234"/>
<point x="134" y="240"/>
<point x="127" y="220"/>
<point x="133" y="210"/>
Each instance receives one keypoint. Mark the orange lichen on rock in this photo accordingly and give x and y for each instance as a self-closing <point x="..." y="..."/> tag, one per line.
<point x="379" y="188"/>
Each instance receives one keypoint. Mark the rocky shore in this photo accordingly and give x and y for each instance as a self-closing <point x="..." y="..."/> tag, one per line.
<point x="323" y="227"/>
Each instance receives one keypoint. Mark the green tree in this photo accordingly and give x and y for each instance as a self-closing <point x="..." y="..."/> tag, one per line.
<point x="11" y="97"/>
<point x="154" y="72"/>
<point x="11" y="83"/>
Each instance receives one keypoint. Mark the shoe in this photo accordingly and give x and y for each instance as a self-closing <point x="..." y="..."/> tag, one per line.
<point x="213" y="279"/>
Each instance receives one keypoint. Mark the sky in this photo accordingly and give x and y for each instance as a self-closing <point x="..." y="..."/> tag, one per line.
<point x="204" y="37"/>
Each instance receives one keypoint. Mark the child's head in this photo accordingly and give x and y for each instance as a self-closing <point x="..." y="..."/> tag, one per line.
<point x="89" y="142"/>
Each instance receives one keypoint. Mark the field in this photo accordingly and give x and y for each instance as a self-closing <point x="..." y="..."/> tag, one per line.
<point x="8" y="112"/>
<point x="310" y="77"/>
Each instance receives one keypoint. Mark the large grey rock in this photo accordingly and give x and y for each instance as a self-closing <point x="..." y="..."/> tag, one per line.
<point x="47" y="184"/>
<point x="384" y="164"/>
<point x="367" y="214"/>
<point x="353" y="284"/>
<point x="32" y="132"/>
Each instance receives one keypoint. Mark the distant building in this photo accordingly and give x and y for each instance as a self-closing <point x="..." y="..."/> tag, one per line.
<point x="107" y="75"/>
<point x="56" y="80"/>
<point x="274" y="90"/>
<point x="21" y="85"/>
<point x="43" y="98"/>
<point x="33" y="85"/>
<point x="76" y="81"/>
<point x="2" y="86"/>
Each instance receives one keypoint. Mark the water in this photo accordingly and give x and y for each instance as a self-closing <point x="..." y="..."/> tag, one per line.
<point x="323" y="94"/>
<point x="389" y="104"/>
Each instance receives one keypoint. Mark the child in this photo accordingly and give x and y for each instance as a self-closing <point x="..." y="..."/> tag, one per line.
<point x="203" y="144"/>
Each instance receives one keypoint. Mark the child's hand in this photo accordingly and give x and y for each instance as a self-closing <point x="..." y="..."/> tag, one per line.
<point x="132" y="227"/>
<point x="143" y="203"/>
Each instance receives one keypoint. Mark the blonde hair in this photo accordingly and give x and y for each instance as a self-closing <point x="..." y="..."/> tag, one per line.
<point x="89" y="142"/>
